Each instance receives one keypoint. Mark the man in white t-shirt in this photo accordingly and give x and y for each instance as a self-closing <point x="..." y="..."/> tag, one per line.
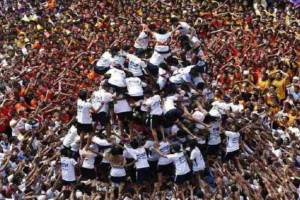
<point x="141" y="43"/>
<point x="136" y="65"/>
<point x="88" y="155"/>
<point x="170" y="110"/>
<point x="182" y="169"/>
<point x="116" y="79"/>
<point x="67" y="167"/>
<point x="70" y="137"/>
<point x="135" y="87"/>
<point x="104" y="63"/>
<point x="214" y="138"/>
<point x="198" y="162"/>
<point x="84" y="110"/>
<point x="142" y="166"/>
<point x="232" y="144"/>
<point x="100" y="103"/>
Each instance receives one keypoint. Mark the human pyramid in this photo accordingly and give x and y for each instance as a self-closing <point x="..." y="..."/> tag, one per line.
<point x="150" y="99"/>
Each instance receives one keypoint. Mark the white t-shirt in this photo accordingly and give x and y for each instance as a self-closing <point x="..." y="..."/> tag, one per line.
<point x="164" y="147"/>
<point x="68" y="168"/>
<point x="70" y="137"/>
<point x="199" y="116"/>
<point x="17" y="126"/>
<point x="184" y="28"/>
<point x="142" y="41"/>
<point x="105" y="60"/>
<point x="89" y="159"/>
<point x="162" y="49"/>
<point x="181" y="75"/>
<point x="156" y="59"/>
<point x="117" y="77"/>
<point x="152" y="154"/>
<point x="135" y="65"/>
<point x="101" y="142"/>
<point x="236" y="108"/>
<point x="162" y="38"/>
<point x="84" y="112"/>
<point x="197" y="158"/>
<point x="221" y="106"/>
<point x="169" y="103"/>
<point x="214" y="133"/>
<point x="101" y="97"/>
<point x="181" y="164"/>
<point x="117" y="172"/>
<point x="140" y="156"/>
<point x="232" y="141"/>
<point x="154" y="103"/>
<point x="162" y="78"/>
<point x="122" y="106"/>
<point x="135" y="86"/>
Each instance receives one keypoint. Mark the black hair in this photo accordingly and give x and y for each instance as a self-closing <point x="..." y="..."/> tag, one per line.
<point x="193" y="144"/>
<point x="176" y="148"/>
<point x="114" y="50"/>
<point x="116" y="151"/>
<point x="163" y="65"/>
<point x="161" y="31"/>
<point x="134" y="144"/>
<point x="172" y="61"/>
<point x="234" y="188"/>
<point x="82" y="95"/>
<point x="65" y="152"/>
<point x="198" y="192"/>
<point x="174" y="20"/>
<point x="184" y="38"/>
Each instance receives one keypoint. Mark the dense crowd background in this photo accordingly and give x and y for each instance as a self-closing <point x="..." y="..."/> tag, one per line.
<point x="240" y="74"/>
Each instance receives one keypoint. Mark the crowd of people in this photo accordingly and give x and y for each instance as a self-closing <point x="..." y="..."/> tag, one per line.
<point x="150" y="99"/>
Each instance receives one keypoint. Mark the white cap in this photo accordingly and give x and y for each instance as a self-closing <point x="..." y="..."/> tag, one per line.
<point x="296" y="78"/>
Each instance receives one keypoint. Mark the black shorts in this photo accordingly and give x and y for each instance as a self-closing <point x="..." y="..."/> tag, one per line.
<point x="101" y="117"/>
<point x="66" y="183"/>
<point x="171" y="117"/>
<point x="153" y="69"/>
<point x="103" y="173"/>
<point x="125" y="116"/>
<point x="101" y="69"/>
<point x="142" y="175"/>
<point x="231" y="155"/>
<point x="117" y="89"/>
<point x="87" y="174"/>
<point x="136" y="98"/>
<point x="155" y="121"/>
<point x="153" y="166"/>
<point x="166" y="170"/>
<point x="213" y="149"/>
<point x="118" y="180"/>
<point x="86" y="128"/>
<point x="180" y="179"/>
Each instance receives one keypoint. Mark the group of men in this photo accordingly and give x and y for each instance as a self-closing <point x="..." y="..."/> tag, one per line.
<point x="150" y="100"/>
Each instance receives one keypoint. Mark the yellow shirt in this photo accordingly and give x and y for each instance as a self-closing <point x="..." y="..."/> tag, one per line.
<point x="292" y="119"/>
<point x="280" y="88"/>
<point x="263" y="84"/>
